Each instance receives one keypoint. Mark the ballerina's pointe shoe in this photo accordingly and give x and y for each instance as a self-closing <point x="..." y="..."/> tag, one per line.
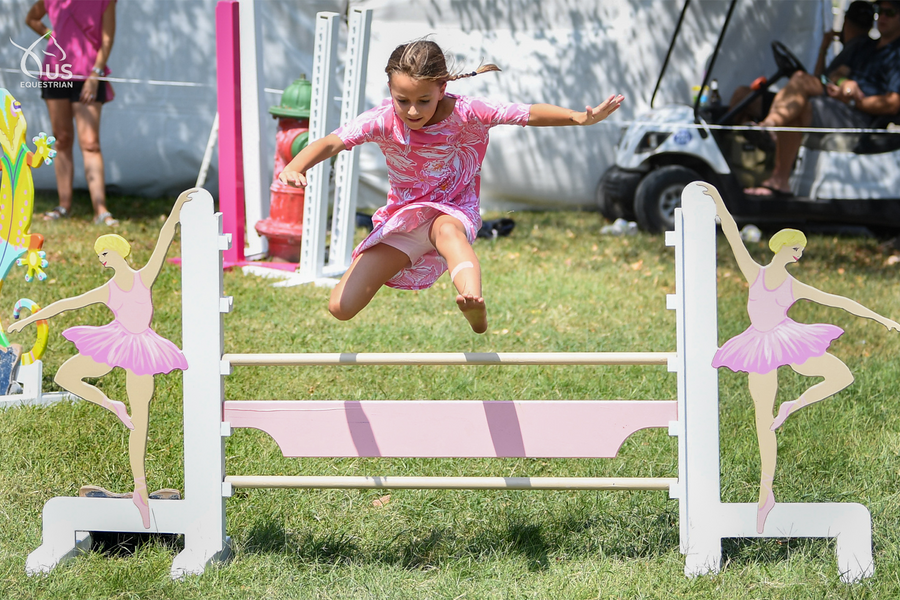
<point x="120" y="411"/>
<point x="763" y="512"/>
<point x="783" y="412"/>
<point x="140" y="488"/>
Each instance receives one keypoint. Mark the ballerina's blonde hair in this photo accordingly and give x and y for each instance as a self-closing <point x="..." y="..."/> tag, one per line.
<point x="787" y="237"/>
<point x="112" y="241"/>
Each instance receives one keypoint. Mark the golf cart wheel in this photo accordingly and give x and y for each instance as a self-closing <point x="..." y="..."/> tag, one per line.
<point x="659" y="194"/>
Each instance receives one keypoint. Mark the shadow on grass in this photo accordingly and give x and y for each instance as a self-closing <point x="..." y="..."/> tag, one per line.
<point x="614" y="537"/>
<point x="745" y="551"/>
<point x="272" y="538"/>
<point x="537" y="544"/>
<point x="117" y="545"/>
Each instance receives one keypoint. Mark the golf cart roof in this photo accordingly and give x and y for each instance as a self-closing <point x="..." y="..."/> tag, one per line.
<point x="740" y="51"/>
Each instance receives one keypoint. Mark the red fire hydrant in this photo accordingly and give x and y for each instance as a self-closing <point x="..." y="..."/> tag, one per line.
<point x="284" y="227"/>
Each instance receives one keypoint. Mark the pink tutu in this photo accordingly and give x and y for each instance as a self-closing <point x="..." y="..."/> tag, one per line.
<point x="145" y="353"/>
<point x="789" y="342"/>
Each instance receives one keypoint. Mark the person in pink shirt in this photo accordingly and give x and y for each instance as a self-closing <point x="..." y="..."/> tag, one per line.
<point x="78" y="48"/>
<point x="434" y="143"/>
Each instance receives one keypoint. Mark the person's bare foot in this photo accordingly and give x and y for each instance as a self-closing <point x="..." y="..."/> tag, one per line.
<point x="474" y="310"/>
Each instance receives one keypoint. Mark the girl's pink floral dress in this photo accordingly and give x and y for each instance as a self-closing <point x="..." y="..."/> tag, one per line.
<point x="433" y="170"/>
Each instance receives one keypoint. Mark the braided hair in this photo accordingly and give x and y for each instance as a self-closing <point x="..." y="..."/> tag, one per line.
<point x="424" y="60"/>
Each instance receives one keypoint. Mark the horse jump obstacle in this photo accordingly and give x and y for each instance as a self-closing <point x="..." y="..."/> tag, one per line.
<point x="590" y="429"/>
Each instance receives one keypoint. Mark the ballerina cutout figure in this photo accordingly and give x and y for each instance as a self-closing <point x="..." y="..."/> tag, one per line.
<point x="127" y="342"/>
<point x="774" y="339"/>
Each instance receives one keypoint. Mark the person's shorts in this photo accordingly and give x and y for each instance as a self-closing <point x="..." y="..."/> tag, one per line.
<point x="69" y="90"/>
<point x="829" y="112"/>
<point x="413" y="243"/>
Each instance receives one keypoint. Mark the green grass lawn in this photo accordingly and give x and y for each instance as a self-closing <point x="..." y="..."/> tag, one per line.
<point x="554" y="285"/>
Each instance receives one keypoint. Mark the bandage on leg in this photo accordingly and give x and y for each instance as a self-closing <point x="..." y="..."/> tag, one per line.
<point x="460" y="267"/>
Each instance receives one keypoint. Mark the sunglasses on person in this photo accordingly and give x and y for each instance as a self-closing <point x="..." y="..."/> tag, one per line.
<point x="887" y="12"/>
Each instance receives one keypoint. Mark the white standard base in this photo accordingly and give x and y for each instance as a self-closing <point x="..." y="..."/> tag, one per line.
<point x="849" y="524"/>
<point x="30" y="378"/>
<point x="297" y="279"/>
<point x="267" y="272"/>
<point x="289" y="278"/>
<point x="65" y="519"/>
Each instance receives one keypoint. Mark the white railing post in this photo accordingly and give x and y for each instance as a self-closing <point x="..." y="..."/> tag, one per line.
<point x="343" y="218"/>
<point x="315" y="209"/>
<point x="695" y="268"/>
<point x="202" y="244"/>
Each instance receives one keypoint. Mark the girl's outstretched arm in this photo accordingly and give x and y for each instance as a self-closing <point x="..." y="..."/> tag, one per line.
<point x="322" y="149"/>
<point x="807" y="292"/>
<point x="95" y="296"/>
<point x="549" y="115"/>
<point x="748" y="266"/>
<point x="151" y="270"/>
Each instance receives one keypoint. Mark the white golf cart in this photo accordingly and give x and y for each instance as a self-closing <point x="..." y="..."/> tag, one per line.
<point x="845" y="178"/>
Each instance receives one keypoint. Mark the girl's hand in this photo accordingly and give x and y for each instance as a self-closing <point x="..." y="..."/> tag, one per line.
<point x="593" y="116"/>
<point x="891" y="325"/>
<point x="292" y="178"/>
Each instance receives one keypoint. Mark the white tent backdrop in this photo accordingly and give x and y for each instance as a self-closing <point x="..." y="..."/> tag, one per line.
<point x="565" y="52"/>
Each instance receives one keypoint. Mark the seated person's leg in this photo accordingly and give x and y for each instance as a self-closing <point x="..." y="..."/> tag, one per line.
<point x="792" y="100"/>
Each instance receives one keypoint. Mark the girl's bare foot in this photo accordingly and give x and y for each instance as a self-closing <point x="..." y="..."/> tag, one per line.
<point x="474" y="311"/>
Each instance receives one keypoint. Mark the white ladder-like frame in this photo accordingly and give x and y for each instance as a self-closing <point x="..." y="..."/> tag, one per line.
<point x="313" y="267"/>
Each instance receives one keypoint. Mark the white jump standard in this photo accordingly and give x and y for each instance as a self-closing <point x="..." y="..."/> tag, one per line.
<point x="588" y="429"/>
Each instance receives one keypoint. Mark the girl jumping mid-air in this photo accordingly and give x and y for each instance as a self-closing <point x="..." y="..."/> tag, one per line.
<point x="774" y="339"/>
<point x="127" y="342"/>
<point x="434" y="143"/>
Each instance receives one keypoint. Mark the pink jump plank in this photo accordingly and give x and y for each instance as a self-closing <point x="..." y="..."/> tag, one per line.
<point x="231" y="167"/>
<point x="432" y="428"/>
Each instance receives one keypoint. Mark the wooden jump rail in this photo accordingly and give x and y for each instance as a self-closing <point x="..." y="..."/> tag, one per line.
<point x="454" y="483"/>
<point x="453" y="358"/>
<point x="453" y="428"/>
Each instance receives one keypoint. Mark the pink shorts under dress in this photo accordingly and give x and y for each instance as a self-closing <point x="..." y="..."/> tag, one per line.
<point x="415" y="243"/>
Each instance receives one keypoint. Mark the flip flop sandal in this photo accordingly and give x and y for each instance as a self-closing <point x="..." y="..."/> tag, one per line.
<point x="776" y="193"/>
<point x="56" y="214"/>
<point x="105" y="218"/>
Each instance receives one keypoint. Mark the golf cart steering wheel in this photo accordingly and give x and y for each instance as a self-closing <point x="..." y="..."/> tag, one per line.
<point x="787" y="63"/>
